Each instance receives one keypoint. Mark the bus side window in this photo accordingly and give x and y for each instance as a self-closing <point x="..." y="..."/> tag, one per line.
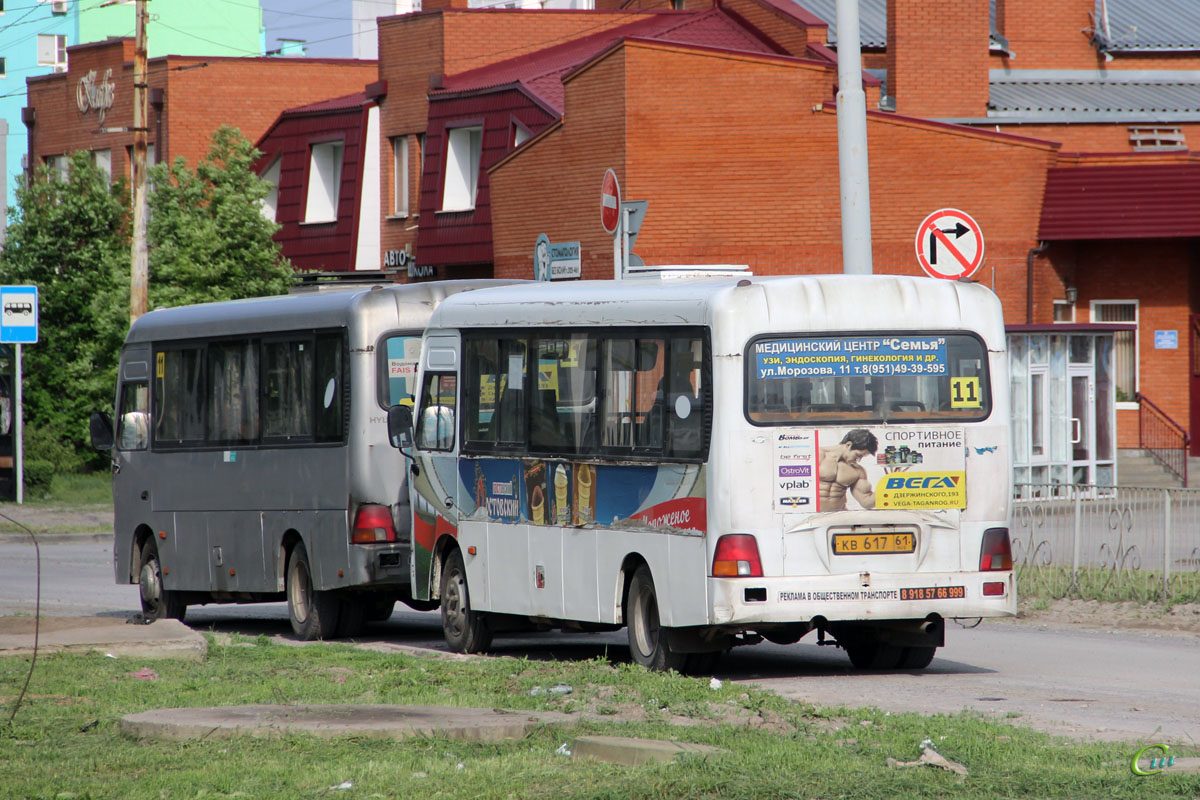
<point x="684" y="410"/>
<point x="133" y="424"/>
<point x="178" y="397"/>
<point x="329" y="389"/>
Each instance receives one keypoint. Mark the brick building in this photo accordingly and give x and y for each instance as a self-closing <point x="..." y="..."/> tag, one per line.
<point x="1063" y="135"/>
<point x="190" y="96"/>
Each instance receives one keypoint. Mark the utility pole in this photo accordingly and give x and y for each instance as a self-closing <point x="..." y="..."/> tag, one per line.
<point x="852" y="144"/>
<point x="140" y="271"/>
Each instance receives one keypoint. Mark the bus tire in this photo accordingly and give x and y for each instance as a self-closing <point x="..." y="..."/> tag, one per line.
<point x="314" y="614"/>
<point x="648" y="641"/>
<point x="916" y="657"/>
<point x="157" y="602"/>
<point x="466" y="631"/>
<point x="875" y="655"/>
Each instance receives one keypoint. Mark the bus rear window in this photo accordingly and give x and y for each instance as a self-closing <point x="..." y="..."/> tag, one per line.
<point x="880" y="377"/>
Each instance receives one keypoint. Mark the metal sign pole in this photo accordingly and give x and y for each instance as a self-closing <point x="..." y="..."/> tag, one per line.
<point x="19" y="434"/>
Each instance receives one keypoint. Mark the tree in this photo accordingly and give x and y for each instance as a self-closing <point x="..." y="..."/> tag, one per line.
<point x="207" y="235"/>
<point x="70" y="238"/>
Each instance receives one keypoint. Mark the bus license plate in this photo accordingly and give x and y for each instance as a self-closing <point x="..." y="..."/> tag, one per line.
<point x="854" y="544"/>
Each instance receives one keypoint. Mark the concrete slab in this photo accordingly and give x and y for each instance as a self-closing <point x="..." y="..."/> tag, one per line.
<point x="166" y="638"/>
<point x="333" y="721"/>
<point x="631" y="752"/>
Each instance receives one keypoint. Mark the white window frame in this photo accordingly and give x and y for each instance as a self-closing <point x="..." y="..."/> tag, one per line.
<point x="400" y="177"/>
<point x="1069" y="306"/>
<point x="460" y="184"/>
<point x="269" y="205"/>
<point x="60" y="51"/>
<point x="1137" y="313"/>
<point x="324" y="182"/>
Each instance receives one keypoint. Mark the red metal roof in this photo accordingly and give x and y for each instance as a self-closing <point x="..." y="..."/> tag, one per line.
<point x="344" y="103"/>
<point x="1136" y="201"/>
<point x="541" y="72"/>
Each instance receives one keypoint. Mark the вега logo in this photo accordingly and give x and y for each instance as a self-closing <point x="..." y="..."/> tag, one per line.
<point x="921" y="482"/>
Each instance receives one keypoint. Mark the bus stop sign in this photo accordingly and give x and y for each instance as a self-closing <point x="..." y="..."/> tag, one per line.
<point x="18" y="314"/>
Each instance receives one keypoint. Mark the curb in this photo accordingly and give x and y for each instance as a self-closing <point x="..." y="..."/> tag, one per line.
<point x="335" y="721"/>
<point x="58" y="538"/>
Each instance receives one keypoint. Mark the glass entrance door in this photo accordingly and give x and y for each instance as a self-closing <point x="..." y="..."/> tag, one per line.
<point x="1083" y="425"/>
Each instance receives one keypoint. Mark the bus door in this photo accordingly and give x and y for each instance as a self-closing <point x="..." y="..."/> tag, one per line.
<point x="131" y="478"/>
<point x="433" y="480"/>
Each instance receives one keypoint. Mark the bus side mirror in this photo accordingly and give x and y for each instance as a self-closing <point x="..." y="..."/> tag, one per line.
<point x="400" y="426"/>
<point x="100" y="427"/>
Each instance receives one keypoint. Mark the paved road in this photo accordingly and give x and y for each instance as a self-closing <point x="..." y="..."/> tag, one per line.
<point x="1118" y="685"/>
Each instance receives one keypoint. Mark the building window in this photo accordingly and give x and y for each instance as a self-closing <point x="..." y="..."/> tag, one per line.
<point x="1125" y="356"/>
<point x="324" y="182"/>
<point x="270" y="203"/>
<point x="3" y="68"/>
<point x="520" y="134"/>
<point x="60" y="165"/>
<point x="462" y="168"/>
<point x="103" y="161"/>
<point x="52" y="51"/>
<point x="400" y="176"/>
<point x="1064" y="311"/>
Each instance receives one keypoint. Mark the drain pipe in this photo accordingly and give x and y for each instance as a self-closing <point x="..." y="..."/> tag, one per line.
<point x="1034" y="252"/>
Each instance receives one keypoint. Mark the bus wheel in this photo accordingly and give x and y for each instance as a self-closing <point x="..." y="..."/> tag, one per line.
<point x="916" y="657"/>
<point x="314" y="614"/>
<point x="875" y="655"/>
<point x="157" y="602"/>
<point x="648" y="643"/>
<point x="466" y="631"/>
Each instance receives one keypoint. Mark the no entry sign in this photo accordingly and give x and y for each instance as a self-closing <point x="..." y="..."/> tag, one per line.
<point x="610" y="202"/>
<point x="949" y="244"/>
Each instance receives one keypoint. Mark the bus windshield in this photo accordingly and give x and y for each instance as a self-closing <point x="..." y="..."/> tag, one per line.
<point x="877" y="377"/>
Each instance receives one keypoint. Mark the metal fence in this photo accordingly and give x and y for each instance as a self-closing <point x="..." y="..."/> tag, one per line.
<point x="1107" y="542"/>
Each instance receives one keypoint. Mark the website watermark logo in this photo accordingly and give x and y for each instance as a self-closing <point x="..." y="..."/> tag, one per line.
<point x="1156" y="764"/>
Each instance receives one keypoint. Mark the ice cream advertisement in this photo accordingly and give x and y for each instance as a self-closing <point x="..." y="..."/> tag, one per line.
<point x="573" y="494"/>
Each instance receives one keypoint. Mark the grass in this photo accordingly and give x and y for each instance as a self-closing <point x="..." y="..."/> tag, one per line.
<point x="74" y="489"/>
<point x="64" y="742"/>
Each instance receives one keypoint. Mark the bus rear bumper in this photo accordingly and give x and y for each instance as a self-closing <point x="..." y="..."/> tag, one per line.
<point x="743" y="602"/>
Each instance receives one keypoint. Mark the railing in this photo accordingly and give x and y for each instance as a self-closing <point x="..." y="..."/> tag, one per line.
<point x="1163" y="438"/>
<point x="1107" y="542"/>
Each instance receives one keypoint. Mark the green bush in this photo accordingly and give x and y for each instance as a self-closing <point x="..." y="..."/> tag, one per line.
<point x="38" y="473"/>
<point x="43" y="444"/>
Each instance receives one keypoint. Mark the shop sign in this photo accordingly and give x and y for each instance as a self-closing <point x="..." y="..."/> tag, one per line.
<point x="397" y="258"/>
<point x="95" y="95"/>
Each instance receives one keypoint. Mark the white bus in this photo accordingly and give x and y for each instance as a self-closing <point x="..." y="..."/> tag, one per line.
<point x="713" y="462"/>
<point x="249" y="458"/>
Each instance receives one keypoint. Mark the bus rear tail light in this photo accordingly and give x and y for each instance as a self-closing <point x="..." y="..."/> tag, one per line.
<point x="996" y="552"/>
<point x="373" y="524"/>
<point x="993" y="589"/>
<point x="736" y="556"/>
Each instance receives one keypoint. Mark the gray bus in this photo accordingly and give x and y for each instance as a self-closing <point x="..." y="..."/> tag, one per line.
<point x="250" y="458"/>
